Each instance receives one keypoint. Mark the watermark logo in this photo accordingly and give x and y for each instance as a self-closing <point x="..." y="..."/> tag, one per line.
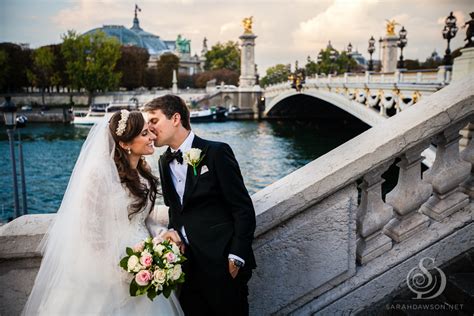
<point x="424" y="284"/>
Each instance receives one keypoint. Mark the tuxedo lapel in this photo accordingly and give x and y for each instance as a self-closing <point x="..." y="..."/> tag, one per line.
<point x="167" y="185"/>
<point x="191" y="179"/>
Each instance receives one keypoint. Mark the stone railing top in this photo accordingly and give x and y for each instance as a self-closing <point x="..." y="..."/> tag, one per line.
<point x="350" y="161"/>
<point x="34" y="224"/>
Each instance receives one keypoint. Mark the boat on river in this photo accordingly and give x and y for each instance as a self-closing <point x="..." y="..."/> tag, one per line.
<point x="97" y="112"/>
<point x="213" y="114"/>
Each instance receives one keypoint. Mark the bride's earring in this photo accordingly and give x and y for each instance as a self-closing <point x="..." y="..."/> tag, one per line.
<point x="143" y="158"/>
<point x="129" y="151"/>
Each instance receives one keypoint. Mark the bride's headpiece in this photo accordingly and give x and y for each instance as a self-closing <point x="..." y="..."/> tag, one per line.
<point x="122" y="124"/>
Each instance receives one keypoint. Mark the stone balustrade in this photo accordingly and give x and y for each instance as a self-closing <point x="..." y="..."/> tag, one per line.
<point x="316" y="245"/>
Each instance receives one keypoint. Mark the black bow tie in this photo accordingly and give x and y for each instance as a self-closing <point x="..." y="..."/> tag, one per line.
<point x="170" y="156"/>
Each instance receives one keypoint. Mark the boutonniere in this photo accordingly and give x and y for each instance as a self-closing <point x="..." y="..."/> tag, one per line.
<point x="193" y="158"/>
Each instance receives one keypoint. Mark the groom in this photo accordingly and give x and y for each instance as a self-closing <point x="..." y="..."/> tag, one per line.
<point x="211" y="210"/>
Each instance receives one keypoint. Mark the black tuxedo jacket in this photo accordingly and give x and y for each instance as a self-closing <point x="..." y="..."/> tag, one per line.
<point x="217" y="211"/>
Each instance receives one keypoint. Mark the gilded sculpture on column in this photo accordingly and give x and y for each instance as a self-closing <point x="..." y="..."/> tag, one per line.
<point x="391" y="27"/>
<point x="247" y="23"/>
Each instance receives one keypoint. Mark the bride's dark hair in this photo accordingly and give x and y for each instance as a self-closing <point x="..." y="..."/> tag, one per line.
<point x="129" y="176"/>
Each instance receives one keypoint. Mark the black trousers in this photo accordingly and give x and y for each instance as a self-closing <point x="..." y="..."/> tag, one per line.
<point x="208" y="294"/>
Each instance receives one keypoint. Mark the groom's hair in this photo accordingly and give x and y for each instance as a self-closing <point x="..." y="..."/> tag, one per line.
<point x="170" y="104"/>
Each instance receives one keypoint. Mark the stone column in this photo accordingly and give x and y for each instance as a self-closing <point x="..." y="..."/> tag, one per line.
<point x="175" y="83"/>
<point x="468" y="155"/>
<point x="389" y="53"/>
<point x="463" y="65"/>
<point x="372" y="215"/>
<point x="447" y="173"/>
<point x="406" y="198"/>
<point x="247" y="61"/>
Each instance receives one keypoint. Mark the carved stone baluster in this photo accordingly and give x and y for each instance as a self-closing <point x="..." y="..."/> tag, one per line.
<point x="407" y="197"/>
<point x="372" y="215"/>
<point x="446" y="174"/>
<point x="468" y="155"/>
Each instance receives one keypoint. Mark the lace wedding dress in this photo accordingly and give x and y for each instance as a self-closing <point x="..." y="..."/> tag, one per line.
<point x="80" y="273"/>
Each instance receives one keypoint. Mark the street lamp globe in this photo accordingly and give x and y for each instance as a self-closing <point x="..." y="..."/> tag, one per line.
<point x="9" y="112"/>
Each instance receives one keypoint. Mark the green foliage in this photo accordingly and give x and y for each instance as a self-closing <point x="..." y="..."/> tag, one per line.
<point x="223" y="56"/>
<point x="4" y="68"/>
<point x="331" y="62"/>
<point x="227" y="76"/>
<point x="164" y="69"/>
<point x="90" y="61"/>
<point x="132" y="65"/>
<point x="42" y="72"/>
<point x="17" y="62"/>
<point x="276" y="74"/>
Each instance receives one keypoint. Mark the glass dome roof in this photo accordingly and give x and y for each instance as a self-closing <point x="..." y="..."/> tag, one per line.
<point x="135" y="36"/>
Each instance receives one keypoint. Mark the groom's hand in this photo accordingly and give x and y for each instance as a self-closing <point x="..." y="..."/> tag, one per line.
<point x="233" y="269"/>
<point x="174" y="236"/>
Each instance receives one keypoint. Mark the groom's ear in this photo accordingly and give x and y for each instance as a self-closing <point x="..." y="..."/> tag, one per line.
<point x="176" y="119"/>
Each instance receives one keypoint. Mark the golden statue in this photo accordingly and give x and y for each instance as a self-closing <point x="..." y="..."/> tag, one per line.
<point x="247" y="23"/>
<point x="391" y="27"/>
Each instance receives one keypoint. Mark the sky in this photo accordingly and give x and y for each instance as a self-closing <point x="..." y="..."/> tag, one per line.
<point x="287" y="30"/>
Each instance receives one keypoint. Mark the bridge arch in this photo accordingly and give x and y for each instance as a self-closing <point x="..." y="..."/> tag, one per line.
<point x="280" y="104"/>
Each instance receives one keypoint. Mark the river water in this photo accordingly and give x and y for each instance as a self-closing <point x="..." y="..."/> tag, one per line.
<point x="266" y="152"/>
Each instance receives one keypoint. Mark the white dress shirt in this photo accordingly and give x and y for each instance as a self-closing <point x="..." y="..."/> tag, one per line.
<point x="178" y="176"/>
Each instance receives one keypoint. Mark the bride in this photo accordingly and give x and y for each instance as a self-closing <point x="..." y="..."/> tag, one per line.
<point x="106" y="207"/>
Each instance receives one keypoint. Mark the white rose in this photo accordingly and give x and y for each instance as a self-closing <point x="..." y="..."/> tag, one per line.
<point x="160" y="276"/>
<point x="176" y="273"/>
<point x="175" y="248"/>
<point x="132" y="263"/>
<point x="159" y="249"/>
<point x="194" y="154"/>
<point x="137" y="268"/>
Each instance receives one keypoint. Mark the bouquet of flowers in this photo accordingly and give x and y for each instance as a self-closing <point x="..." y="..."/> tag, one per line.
<point x="156" y="267"/>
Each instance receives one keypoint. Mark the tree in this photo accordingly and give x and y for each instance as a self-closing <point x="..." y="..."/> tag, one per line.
<point x="164" y="67"/>
<point x="330" y="61"/>
<point x="42" y="73"/>
<point x="221" y="75"/>
<point x="223" y="56"/>
<point x="18" y="61"/>
<point x="132" y="65"/>
<point x="276" y="74"/>
<point x="4" y="69"/>
<point x="90" y="61"/>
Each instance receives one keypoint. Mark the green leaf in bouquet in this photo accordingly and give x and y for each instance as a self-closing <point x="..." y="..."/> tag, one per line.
<point x="129" y="251"/>
<point x="151" y="293"/>
<point x="182" y="278"/>
<point x="167" y="291"/>
<point x="124" y="263"/>
<point x="134" y="290"/>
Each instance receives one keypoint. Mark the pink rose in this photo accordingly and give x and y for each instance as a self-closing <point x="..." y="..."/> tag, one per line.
<point x="143" y="277"/>
<point x="146" y="260"/>
<point x="139" y="247"/>
<point x="170" y="257"/>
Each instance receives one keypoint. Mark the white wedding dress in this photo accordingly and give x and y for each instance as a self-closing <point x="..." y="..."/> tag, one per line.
<point x="80" y="273"/>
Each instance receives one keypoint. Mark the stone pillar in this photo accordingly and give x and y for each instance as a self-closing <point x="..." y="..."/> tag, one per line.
<point x="389" y="53"/>
<point x="468" y="155"/>
<point x="247" y="61"/>
<point x="175" y="83"/>
<point x="406" y="198"/>
<point x="372" y="215"/>
<point x="464" y="64"/>
<point x="446" y="174"/>
<point x="467" y="134"/>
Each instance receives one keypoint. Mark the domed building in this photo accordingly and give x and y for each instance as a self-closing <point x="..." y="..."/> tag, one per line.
<point x="136" y="36"/>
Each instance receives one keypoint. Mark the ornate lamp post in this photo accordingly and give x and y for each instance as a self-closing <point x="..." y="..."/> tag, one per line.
<point x="402" y="42"/>
<point x="349" y="55"/>
<point x="9" y="110"/>
<point x="371" y="50"/>
<point x="449" y="32"/>
<point x="297" y="78"/>
<point x="20" y="123"/>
